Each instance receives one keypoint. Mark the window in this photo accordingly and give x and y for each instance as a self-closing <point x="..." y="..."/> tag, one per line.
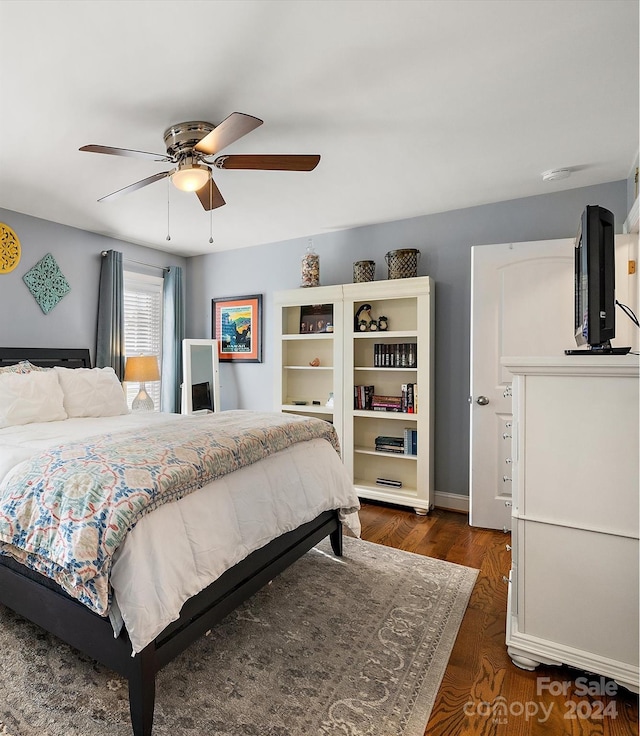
<point x="143" y="325"/>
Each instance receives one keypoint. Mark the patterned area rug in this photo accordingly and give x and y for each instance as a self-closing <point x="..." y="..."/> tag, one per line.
<point x="349" y="647"/>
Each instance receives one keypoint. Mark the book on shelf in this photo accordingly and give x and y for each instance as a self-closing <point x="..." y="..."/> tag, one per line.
<point x="389" y="482"/>
<point x="410" y="443"/>
<point x="389" y="439"/>
<point x="362" y="397"/>
<point x="386" y="403"/>
<point x="394" y="355"/>
<point x="384" y="443"/>
<point x="408" y="395"/>
<point x="365" y="398"/>
<point x="385" y="400"/>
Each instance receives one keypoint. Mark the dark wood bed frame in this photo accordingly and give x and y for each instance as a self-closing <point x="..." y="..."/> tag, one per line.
<point x="43" y="602"/>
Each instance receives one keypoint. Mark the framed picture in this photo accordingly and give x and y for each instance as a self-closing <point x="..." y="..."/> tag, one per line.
<point x="236" y="322"/>
<point x="316" y="318"/>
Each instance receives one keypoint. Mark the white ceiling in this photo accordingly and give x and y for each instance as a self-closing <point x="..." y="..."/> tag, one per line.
<point x="415" y="108"/>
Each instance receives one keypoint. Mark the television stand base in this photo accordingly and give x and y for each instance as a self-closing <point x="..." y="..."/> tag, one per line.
<point x="599" y="351"/>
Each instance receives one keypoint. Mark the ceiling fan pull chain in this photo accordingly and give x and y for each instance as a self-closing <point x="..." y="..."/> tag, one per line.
<point x="210" y="211"/>
<point x="168" y="194"/>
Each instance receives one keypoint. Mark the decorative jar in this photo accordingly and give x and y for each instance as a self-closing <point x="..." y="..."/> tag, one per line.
<point x="310" y="267"/>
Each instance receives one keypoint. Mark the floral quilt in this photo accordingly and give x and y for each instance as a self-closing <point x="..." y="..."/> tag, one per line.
<point x="66" y="511"/>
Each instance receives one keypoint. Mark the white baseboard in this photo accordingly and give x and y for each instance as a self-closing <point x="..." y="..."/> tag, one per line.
<point x="452" y="501"/>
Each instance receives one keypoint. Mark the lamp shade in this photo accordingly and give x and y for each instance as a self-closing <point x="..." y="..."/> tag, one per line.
<point x="142" y="368"/>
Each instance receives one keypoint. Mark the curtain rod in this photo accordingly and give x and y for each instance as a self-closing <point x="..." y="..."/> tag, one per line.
<point x="140" y="263"/>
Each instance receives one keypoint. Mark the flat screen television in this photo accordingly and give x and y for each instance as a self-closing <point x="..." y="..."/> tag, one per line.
<point x="594" y="284"/>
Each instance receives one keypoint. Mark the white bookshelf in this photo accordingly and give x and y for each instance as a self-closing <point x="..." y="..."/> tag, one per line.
<point x="295" y="379"/>
<point x="408" y="305"/>
<point x="347" y="360"/>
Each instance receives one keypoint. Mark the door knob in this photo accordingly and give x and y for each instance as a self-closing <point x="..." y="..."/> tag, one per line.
<point x="482" y="400"/>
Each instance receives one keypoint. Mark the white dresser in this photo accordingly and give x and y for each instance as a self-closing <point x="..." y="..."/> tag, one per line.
<point x="573" y="592"/>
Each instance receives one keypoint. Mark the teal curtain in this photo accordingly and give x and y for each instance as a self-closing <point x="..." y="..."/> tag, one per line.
<point x="173" y="328"/>
<point x="110" y="334"/>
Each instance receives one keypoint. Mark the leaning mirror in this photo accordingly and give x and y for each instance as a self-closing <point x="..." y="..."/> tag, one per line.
<point x="200" y="386"/>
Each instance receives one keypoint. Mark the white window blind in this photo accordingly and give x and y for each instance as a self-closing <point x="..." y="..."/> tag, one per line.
<point x="143" y="326"/>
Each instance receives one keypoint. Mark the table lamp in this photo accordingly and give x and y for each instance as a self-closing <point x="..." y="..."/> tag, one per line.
<point x="142" y="368"/>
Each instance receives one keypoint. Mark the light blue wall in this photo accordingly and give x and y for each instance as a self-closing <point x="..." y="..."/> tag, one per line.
<point x="72" y="322"/>
<point x="444" y="241"/>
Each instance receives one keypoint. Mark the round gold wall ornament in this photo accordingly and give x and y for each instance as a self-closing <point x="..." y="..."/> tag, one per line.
<point x="9" y="249"/>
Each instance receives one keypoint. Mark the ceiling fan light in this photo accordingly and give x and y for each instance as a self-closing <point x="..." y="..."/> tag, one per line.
<point x="191" y="177"/>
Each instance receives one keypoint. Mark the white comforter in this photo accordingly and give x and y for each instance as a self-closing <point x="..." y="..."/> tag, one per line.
<point x="180" y="548"/>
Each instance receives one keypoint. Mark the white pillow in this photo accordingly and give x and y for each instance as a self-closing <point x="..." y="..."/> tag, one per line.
<point x="30" y="397"/>
<point x="92" y="392"/>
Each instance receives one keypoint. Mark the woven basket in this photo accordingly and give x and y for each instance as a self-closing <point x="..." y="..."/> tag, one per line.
<point x="403" y="263"/>
<point x="363" y="271"/>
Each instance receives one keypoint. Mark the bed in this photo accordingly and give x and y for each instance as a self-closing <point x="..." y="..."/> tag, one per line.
<point x="137" y="648"/>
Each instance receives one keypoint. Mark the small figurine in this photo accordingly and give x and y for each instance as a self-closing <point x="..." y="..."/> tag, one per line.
<point x="373" y="325"/>
<point x="315" y="362"/>
<point x="360" y="324"/>
<point x="383" y="323"/>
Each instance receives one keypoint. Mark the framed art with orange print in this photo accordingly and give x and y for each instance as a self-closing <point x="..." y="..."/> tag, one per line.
<point x="236" y="323"/>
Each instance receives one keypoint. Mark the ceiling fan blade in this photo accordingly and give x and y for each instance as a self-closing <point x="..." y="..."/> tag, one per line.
<point x="229" y="130"/>
<point x="210" y="197"/>
<point x="137" y="185"/>
<point x="125" y="152"/>
<point x="286" y="162"/>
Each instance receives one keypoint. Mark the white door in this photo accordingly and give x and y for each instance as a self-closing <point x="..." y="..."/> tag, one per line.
<point x="521" y="305"/>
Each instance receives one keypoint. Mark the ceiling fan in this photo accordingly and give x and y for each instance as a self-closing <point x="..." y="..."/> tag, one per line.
<point x="190" y="144"/>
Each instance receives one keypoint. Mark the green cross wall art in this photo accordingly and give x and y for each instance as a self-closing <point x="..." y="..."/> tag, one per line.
<point x="47" y="283"/>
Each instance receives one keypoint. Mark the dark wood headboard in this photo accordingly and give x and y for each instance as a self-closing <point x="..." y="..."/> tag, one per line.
<point x="47" y="357"/>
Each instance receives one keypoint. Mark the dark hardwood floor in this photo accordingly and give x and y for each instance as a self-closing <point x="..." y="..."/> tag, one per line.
<point x="482" y="692"/>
